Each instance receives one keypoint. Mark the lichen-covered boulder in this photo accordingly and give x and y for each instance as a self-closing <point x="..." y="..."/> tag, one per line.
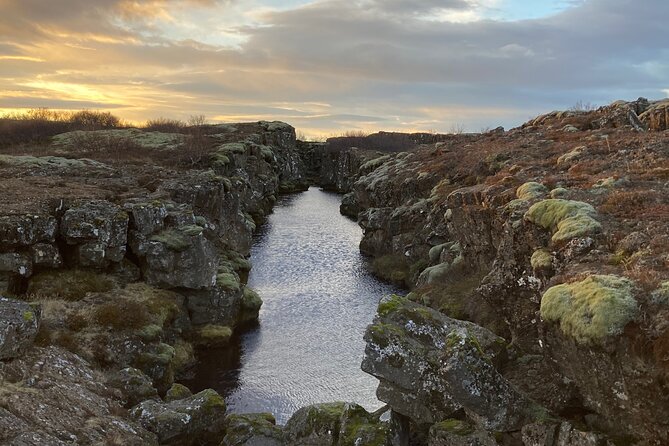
<point x="16" y="263"/>
<point x="98" y="230"/>
<point x="198" y="419"/>
<point x="26" y="230"/>
<point x="567" y="219"/>
<point x="19" y="323"/>
<point x="146" y="217"/>
<point x="177" y="392"/>
<point x="46" y="255"/>
<point x="176" y="258"/>
<point x="219" y="305"/>
<point x="135" y="386"/>
<point x="256" y="429"/>
<point x="431" y="366"/>
<point x="454" y="432"/>
<point x="336" y="424"/>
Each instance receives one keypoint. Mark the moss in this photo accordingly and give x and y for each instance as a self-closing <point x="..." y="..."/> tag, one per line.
<point x="212" y="335"/>
<point x="567" y="219"/>
<point x="390" y="304"/>
<point x="375" y="163"/>
<point x="228" y="282"/>
<point x="591" y="310"/>
<point x="661" y="295"/>
<point x="28" y="316"/>
<point x="177" y="392"/>
<point x="219" y="160"/>
<point x="559" y="192"/>
<point x="531" y="190"/>
<point x="151" y="332"/>
<point x="453" y="426"/>
<point x="183" y="355"/>
<point x="541" y="259"/>
<point x="69" y="285"/>
<point x="267" y="153"/>
<point x="174" y="239"/>
<point x="200" y="221"/>
<point x="191" y="230"/>
<point x="251" y="300"/>
<point x="232" y="148"/>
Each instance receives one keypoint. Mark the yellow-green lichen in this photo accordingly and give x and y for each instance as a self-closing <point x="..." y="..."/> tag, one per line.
<point x="541" y="259"/>
<point x="391" y="303"/>
<point x="591" y="310"/>
<point x="531" y="190"/>
<point x="213" y="335"/>
<point x="453" y="426"/>
<point x="566" y="218"/>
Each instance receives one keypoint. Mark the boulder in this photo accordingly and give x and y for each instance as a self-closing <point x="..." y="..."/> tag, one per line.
<point x="135" y="386"/>
<point x="176" y="257"/>
<point x="98" y="231"/>
<point x="26" y="230"/>
<point x="431" y="366"/>
<point x="336" y="424"/>
<point x="256" y="429"/>
<point x="19" y="323"/>
<point x="195" y="420"/>
<point x="560" y="434"/>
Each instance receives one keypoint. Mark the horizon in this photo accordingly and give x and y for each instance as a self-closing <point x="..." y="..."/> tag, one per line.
<point x="330" y="66"/>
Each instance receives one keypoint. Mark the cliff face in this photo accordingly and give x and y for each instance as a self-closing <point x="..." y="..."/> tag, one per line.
<point x="552" y="236"/>
<point x="135" y="257"/>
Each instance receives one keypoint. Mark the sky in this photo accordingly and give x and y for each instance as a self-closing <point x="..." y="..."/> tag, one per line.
<point x="328" y="66"/>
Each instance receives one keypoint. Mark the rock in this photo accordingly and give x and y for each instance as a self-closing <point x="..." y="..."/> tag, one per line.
<point x="46" y="255"/>
<point x="337" y="424"/>
<point x="135" y="386"/>
<point x="26" y="230"/>
<point x="431" y="366"/>
<point x="16" y="263"/>
<point x="177" y="392"/>
<point x="177" y="257"/>
<point x="560" y="434"/>
<point x="195" y="420"/>
<point x="19" y="323"/>
<point x="52" y="397"/>
<point x="258" y="429"/>
<point x="98" y="230"/>
<point x="454" y="432"/>
<point x="146" y="217"/>
<point x="220" y="305"/>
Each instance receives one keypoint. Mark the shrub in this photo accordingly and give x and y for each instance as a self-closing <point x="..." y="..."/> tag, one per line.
<point x="165" y="125"/>
<point x="591" y="310"/>
<point x="69" y="284"/>
<point x="122" y="314"/>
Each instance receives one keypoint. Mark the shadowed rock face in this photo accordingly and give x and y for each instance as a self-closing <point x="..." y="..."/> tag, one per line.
<point x="431" y="366"/>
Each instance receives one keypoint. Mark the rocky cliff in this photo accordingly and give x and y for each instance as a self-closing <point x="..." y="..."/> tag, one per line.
<point x="128" y="249"/>
<point x="545" y="250"/>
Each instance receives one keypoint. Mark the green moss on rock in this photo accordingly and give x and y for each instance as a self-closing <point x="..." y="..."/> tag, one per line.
<point x="229" y="282"/>
<point x="541" y="259"/>
<point x="591" y="310"/>
<point x="453" y="426"/>
<point x="531" y="190"/>
<point x="391" y="303"/>
<point x="213" y="335"/>
<point x="566" y="218"/>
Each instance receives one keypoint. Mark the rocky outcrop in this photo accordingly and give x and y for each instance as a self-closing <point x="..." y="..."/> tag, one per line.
<point x="196" y="419"/>
<point x="51" y="396"/>
<point x="19" y="323"/>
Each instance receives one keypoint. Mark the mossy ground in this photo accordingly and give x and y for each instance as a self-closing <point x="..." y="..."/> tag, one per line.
<point x="591" y="310"/>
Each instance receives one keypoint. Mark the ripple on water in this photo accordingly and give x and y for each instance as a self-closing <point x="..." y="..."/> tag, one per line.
<point x="318" y="299"/>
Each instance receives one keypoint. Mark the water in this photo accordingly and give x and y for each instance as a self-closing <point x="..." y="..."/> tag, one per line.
<point x="318" y="299"/>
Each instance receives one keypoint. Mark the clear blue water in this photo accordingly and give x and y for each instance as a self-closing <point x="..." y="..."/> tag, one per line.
<point x="318" y="299"/>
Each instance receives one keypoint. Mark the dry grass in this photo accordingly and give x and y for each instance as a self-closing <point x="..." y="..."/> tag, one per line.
<point x="122" y="314"/>
<point x="70" y="285"/>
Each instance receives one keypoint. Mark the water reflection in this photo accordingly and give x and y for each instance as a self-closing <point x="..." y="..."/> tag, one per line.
<point x="318" y="299"/>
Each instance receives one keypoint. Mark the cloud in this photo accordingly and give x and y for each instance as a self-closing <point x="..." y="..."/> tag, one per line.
<point x="402" y="64"/>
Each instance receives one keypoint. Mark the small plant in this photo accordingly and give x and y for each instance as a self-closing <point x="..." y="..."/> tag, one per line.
<point x="69" y="285"/>
<point x="122" y="314"/>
